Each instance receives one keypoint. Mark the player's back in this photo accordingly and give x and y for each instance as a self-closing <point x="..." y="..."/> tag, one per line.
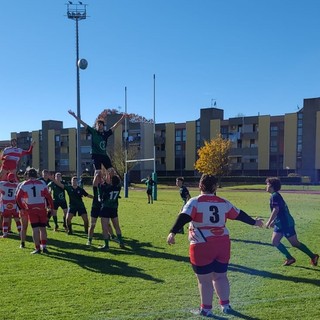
<point x="33" y="191"/>
<point x="7" y="190"/>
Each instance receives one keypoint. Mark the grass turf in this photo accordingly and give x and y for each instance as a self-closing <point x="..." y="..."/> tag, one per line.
<point x="151" y="280"/>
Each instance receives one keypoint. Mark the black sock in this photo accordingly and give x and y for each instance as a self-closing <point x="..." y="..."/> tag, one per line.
<point x="55" y="219"/>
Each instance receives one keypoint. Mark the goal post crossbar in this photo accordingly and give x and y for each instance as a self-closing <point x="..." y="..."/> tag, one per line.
<point x="140" y="160"/>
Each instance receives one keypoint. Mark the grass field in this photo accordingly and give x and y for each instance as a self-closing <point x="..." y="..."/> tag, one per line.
<point x="151" y="280"/>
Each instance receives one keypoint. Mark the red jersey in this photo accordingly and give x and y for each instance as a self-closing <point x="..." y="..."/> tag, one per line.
<point x="7" y="195"/>
<point x="33" y="194"/>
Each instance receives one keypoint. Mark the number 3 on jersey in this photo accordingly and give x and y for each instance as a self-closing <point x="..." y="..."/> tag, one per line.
<point x="214" y="218"/>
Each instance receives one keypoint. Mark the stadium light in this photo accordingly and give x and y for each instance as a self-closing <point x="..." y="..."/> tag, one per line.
<point x="78" y="12"/>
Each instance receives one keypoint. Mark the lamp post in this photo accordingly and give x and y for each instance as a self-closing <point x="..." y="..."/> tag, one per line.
<point x="78" y="12"/>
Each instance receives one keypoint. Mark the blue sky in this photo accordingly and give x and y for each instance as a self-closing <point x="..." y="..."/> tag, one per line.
<point x="251" y="56"/>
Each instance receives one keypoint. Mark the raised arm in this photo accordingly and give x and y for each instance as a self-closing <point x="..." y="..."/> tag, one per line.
<point x="124" y="115"/>
<point x="78" y="119"/>
<point x="29" y="151"/>
<point x="58" y="183"/>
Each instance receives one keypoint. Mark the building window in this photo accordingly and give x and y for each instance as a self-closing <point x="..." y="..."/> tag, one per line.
<point x="85" y="149"/>
<point x="273" y="146"/>
<point x="180" y="135"/>
<point x="184" y="134"/>
<point x="64" y="162"/>
<point x="274" y="131"/>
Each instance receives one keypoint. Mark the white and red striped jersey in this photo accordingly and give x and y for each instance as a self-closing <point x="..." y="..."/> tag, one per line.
<point x="15" y="154"/>
<point x="209" y="214"/>
<point x="33" y="194"/>
<point x="7" y="195"/>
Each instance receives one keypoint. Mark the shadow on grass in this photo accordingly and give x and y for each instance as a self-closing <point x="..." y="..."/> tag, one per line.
<point x="240" y="315"/>
<point x="146" y="249"/>
<point x="232" y="313"/>
<point x="61" y="250"/>
<point x="272" y="275"/>
<point x="252" y="242"/>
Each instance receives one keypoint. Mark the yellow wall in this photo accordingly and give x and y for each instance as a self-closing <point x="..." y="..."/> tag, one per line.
<point x="72" y="149"/>
<point x="290" y="141"/>
<point x="51" y="151"/>
<point x="36" y="150"/>
<point x="317" y="151"/>
<point x="264" y="143"/>
<point x="117" y="133"/>
<point x="170" y="144"/>
<point x="214" y="128"/>
<point x="190" y="144"/>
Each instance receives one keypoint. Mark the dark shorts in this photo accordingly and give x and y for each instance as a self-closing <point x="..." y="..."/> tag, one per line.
<point x="95" y="212"/>
<point x="79" y="210"/>
<point x="109" y="213"/>
<point x="61" y="204"/>
<point x="149" y="191"/>
<point x="287" y="232"/>
<point x="214" y="266"/>
<point x="99" y="159"/>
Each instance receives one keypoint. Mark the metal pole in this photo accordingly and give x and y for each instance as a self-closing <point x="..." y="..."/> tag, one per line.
<point x="154" y="123"/>
<point x="78" y="105"/>
<point x="154" y="175"/>
<point x="126" y="182"/>
<point x="76" y="12"/>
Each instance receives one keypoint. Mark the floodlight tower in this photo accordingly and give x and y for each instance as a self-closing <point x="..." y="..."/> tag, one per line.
<point x="77" y="12"/>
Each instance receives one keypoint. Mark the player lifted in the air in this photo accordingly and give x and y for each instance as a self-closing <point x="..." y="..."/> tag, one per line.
<point x="10" y="158"/>
<point x="99" y="141"/>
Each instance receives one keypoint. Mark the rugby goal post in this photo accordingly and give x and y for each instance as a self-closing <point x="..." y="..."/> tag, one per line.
<point x="154" y="178"/>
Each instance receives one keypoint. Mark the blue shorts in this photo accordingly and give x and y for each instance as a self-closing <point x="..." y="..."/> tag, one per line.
<point x="287" y="232"/>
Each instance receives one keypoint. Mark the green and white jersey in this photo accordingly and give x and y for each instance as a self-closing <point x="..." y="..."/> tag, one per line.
<point x="99" y="140"/>
<point x="109" y="195"/>
<point x="58" y="193"/>
<point x="75" y="196"/>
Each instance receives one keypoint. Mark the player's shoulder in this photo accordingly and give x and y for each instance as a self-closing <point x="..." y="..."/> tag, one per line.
<point x="210" y="198"/>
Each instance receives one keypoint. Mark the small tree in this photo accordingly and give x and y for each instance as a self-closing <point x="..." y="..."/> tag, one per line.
<point x="133" y="117"/>
<point x="118" y="159"/>
<point x="214" y="157"/>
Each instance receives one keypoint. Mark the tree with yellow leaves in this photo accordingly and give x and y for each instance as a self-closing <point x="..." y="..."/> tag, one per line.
<point x="214" y="157"/>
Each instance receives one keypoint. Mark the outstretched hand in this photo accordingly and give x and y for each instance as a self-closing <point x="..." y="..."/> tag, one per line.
<point x="259" y="222"/>
<point x="171" y="239"/>
<point x="72" y="113"/>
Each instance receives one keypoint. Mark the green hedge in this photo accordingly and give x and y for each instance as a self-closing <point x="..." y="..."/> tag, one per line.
<point x="230" y="180"/>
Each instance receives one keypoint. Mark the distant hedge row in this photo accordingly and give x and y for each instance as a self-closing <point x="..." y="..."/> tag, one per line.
<point x="233" y="180"/>
<point x="228" y="180"/>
